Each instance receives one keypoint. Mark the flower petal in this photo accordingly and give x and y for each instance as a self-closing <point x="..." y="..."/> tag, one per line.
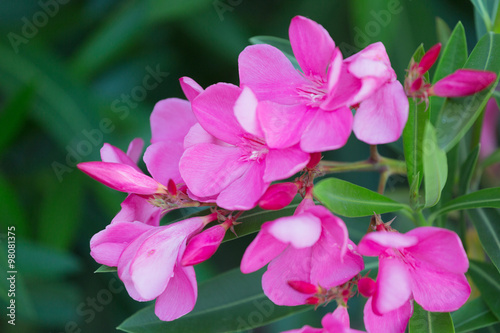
<point x="134" y="150"/>
<point x="190" y="88"/>
<point x="112" y="154"/>
<point x="245" y="110"/>
<point x="197" y="134"/>
<point x="463" y="82"/>
<point x="138" y="208"/>
<point x="214" y="109"/>
<point x="382" y="117"/>
<point x="328" y="130"/>
<point x="375" y="243"/>
<point x="179" y="296"/>
<point x="270" y="75"/>
<point x="284" y="163"/>
<point x="162" y="160"/>
<point x="207" y="169"/>
<point x="312" y="46"/>
<point x="393" y="286"/>
<point x="391" y="322"/>
<point x="171" y="120"/>
<point x="300" y="231"/>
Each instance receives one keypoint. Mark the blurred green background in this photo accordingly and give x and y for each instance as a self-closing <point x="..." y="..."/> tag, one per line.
<point x="76" y="74"/>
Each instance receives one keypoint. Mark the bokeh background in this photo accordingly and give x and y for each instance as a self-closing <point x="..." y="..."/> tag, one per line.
<point x="75" y="74"/>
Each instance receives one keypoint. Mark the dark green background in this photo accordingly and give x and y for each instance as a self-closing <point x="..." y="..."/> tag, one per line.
<point x="59" y="80"/>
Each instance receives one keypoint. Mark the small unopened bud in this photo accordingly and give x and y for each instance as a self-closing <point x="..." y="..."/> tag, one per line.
<point x="202" y="246"/>
<point x="416" y="85"/>
<point x="278" y="196"/>
<point x="429" y="58"/>
<point x="463" y="82"/>
<point x="171" y="187"/>
<point x="303" y="287"/>
<point x="366" y="286"/>
<point x="313" y="300"/>
<point x="315" y="159"/>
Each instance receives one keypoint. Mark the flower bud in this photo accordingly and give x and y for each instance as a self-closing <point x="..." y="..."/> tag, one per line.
<point x="313" y="300"/>
<point x="366" y="286"/>
<point x="278" y="196"/>
<point x="202" y="246"/>
<point x="429" y="58"/>
<point x="315" y="159"/>
<point x="463" y="82"/>
<point x="303" y="287"/>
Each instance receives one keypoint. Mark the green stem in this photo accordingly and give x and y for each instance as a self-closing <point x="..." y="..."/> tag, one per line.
<point x="382" y="165"/>
<point x="420" y="219"/>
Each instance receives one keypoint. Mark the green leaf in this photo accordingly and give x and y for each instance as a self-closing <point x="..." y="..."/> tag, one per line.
<point x="435" y="167"/>
<point x="413" y="135"/>
<point x="453" y="57"/>
<point x="14" y="113"/>
<point x="459" y="114"/>
<point x="105" y="269"/>
<point x="472" y="316"/>
<point x="13" y="211"/>
<point x="443" y="31"/>
<point x="280" y="43"/>
<point x="430" y="322"/>
<point x="351" y="200"/>
<point x="487" y="224"/>
<point x="487" y="10"/>
<point x="487" y="279"/>
<point x="467" y="170"/>
<point x="492" y="159"/>
<point x="230" y="302"/>
<point x="485" y="198"/>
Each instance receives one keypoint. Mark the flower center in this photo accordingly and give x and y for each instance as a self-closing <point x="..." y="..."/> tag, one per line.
<point x="313" y="94"/>
<point x="254" y="148"/>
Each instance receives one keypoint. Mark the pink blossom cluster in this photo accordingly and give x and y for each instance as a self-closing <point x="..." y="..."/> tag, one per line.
<point x="226" y="147"/>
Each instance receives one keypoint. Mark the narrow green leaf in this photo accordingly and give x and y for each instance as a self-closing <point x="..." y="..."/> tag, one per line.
<point x="485" y="198"/>
<point x="487" y="279"/>
<point x="280" y="43"/>
<point x="487" y="224"/>
<point x="443" y="31"/>
<point x="467" y="170"/>
<point x="492" y="159"/>
<point x="105" y="269"/>
<point x="413" y="135"/>
<point x="430" y="322"/>
<point x="435" y="167"/>
<point x="231" y="302"/>
<point x="351" y="200"/>
<point x="487" y="10"/>
<point x="14" y="114"/>
<point x="459" y="114"/>
<point x="472" y="316"/>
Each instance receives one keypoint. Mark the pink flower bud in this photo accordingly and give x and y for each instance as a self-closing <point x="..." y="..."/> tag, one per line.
<point x="315" y="159"/>
<point x="366" y="286"/>
<point x="416" y="85"/>
<point x="303" y="287"/>
<point x="463" y="82"/>
<point x="429" y="58"/>
<point x="202" y="246"/>
<point x="312" y="300"/>
<point x="172" y="188"/>
<point x="121" y="177"/>
<point x="278" y="196"/>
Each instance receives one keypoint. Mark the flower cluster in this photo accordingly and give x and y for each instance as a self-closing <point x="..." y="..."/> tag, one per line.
<point x="226" y="146"/>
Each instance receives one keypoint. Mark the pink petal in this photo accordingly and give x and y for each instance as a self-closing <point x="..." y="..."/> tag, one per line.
<point x="121" y="177"/>
<point x="489" y="133"/>
<point x="393" y="286"/>
<point x="391" y="322"/>
<point x="312" y="46"/>
<point x="137" y="208"/>
<point x="375" y="243"/>
<point x="284" y="163"/>
<point x="300" y="231"/>
<point x="382" y="117"/>
<point x="179" y="296"/>
<point x="190" y="88"/>
<point x="305" y="329"/>
<point x="278" y="196"/>
<point x="197" y="134"/>
<point x="429" y="58"/>
<point x="171" y="119"/>
<point x="202" y="246"/>
<point x="441" y="248"/>
<point x="463" y="82"/>
<point x="245" y="110"/>
<point x="207" y="169"/>
<point x="344" y="93"/>
<point x="134" y="150"/>
<point x="112" y="154"/>
<point x="341" y="315"/>
<point x="439" y="291"/>
<point x="282" y="124"/>
<point x="263" y="249"/>
<point x="162" y="160"/>
<point x="328" y="130"/>
<point x="291" y="265"/>
<point x="160" y="249"/>
<point x="335" y="69"/>
<point x="214" y="109"/>
<point x="244" y="192"/>
<point x="107" y="245"/>
<point x="270" y="75"/>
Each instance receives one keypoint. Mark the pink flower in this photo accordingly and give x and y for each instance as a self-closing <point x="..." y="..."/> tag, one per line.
<point x="316" y="103"/>
<point x="148" y="261"/>
<point x="336" y="322"/>
<point x="238" y="168"/>
<point x="426" y="264"/>
<point x="311" y="247"/>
